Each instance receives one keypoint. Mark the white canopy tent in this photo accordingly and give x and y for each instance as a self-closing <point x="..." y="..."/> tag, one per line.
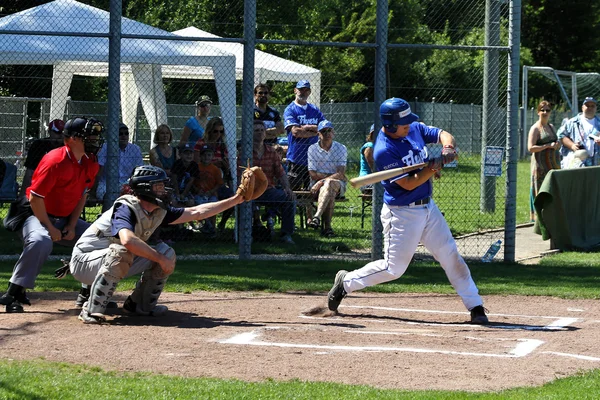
<point x="266" y="66"/>
<point x="142" y="60"/>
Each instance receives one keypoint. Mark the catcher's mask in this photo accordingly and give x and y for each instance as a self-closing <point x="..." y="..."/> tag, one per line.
<point x="90" y="130"/>
<point x="395" y="112"/>
<point x="142" y="183"/>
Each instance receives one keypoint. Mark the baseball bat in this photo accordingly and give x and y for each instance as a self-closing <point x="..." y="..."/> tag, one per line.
<point x="382" y="175"/>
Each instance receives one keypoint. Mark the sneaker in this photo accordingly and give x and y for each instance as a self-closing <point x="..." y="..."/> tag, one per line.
<point x="287" y="239"/>
<point x="130" y="307"/>
<point x="337" y="292"/>
<point x="478" y="315"/>
<point x="87" y="318"/>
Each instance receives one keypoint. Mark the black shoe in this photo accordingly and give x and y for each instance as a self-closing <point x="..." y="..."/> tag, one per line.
<point x="337" y="292"/>
<point x="478" y="316"/>
<point x="14" y="307"/>
<point x="84" y="295"/>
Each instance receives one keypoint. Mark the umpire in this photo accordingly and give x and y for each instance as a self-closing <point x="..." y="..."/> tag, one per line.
<point x="57" y="196"/>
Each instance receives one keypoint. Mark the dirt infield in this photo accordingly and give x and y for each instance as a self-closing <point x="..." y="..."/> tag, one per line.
<point x="408" y="341"/>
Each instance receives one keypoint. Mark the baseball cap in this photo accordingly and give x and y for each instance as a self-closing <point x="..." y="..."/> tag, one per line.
<point x="56" y="125"/>
<point x="303" y="84"/>
<point x="204" y="99"/>
<point x="205" y="148"/>
<point x="187" y="147"/>
<point x="589" y="100"/>
<point x="324" y="125"/>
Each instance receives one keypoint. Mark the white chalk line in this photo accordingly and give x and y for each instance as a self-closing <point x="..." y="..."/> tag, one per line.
<point x="578" y="356"/>
<point x="523" y="348"/>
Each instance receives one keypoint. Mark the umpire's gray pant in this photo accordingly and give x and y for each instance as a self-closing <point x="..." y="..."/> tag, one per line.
<point x="37" y="246"/>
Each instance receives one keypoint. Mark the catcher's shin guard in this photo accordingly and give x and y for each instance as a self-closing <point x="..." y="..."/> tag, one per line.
<point x="115" y="266"/>
<point x="144" y="299"/>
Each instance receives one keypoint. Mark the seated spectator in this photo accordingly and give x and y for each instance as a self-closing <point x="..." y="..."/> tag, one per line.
<point x="163" y="155"/>
<point x="195" y="126"/>
<point x="209" y="180"/>
<point x="130" y="157"/>
<point x="184" y="172"/>
<point x="40" y="147"/>
<point x="280" y="198"/>
<point x="327" y="169"/>
<point x="367" y="162"/>
<point x="214" y="137"/>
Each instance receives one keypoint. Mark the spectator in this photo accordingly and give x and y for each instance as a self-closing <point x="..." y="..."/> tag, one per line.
<point x="163" y="155"/>
<point x="184" y="172"/>
<point x="367" y="163"/>
<point x="581" y="133"/>
<point x="301" y="120"/>
<point x="327" y="169"/>
<point x="40" y="147"/>
<point x="57" y="194"/>
<point x="206" y="186"/>
<point x="268" y="115"/>
<point x="130" y="156"/>
<point x="195" y="126"/>
<point x="280" y="198"/>
<point x="543" y="145"/>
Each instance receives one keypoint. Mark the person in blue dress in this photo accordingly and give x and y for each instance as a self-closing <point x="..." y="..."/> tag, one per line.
<point x="195" y="126"/>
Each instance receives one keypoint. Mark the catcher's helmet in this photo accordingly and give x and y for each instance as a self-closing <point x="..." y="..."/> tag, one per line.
<point x="394" y="112"/>
<point x="142" y="180"/>
<point x="84" y="128"/>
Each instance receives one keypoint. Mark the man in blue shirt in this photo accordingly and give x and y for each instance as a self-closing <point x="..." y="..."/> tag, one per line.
<point x="409" y="214"/>
<point x="301" y="120"/>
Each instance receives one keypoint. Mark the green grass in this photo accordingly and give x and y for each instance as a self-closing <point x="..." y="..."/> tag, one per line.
<point x="40" y="379"/>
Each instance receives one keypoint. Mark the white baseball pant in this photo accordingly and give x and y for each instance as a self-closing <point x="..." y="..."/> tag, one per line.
<point x="403" y="228"/>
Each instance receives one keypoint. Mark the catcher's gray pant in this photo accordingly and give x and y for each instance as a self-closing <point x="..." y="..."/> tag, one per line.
<point x="37" y="246"/>
<point x="85" y="266"/>
<point x="403" y="228"/>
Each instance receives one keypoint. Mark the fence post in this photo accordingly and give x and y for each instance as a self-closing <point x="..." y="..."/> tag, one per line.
<point x="432" y="123"/>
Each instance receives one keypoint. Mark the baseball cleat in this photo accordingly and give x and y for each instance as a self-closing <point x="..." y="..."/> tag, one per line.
<point x="14" y="307"/>
<point x="337" y="292"/>
<point x="478" y="316"/>
<point x="91" y="319"/>
<point x="131" y="307"/>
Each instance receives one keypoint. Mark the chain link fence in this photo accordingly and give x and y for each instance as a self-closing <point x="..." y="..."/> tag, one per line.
<point x="450" y="60"/>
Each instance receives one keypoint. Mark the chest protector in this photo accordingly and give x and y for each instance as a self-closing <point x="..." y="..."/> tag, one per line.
<point x="145" y="224"/>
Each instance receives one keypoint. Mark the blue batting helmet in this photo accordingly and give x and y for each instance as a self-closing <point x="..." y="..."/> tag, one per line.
<point x="394" y="112"/>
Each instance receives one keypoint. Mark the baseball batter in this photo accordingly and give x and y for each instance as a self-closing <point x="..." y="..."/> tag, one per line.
<point x="409" y="214"/>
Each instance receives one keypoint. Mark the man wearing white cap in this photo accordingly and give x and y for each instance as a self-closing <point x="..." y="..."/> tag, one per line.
<point x="301" y="120"/>
<point x="581" y="133"/>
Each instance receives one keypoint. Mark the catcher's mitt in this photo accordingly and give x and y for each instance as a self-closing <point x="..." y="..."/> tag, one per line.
<point x="253" y="183"/>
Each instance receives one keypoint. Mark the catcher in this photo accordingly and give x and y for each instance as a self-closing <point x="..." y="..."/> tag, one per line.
<point x="114" y="246"/>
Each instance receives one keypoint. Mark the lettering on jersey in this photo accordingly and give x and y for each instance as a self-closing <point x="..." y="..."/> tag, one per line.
<point x="413" y="157"/>
<point x="307" y="121"/>
<point x="390" y="166"/>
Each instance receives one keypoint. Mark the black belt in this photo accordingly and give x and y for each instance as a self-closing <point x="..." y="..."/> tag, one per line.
<point x="56" y="217"/>
<point x="421" y="202"/>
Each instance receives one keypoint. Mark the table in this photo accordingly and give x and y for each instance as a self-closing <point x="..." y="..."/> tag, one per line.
<point x="568" y="208"/>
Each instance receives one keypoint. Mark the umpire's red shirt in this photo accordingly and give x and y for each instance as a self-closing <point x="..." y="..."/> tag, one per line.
<point x="61" y="181"/>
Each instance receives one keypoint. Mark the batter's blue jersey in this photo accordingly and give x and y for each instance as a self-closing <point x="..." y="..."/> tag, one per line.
<point x="295" y="115"/>
<point x="395" y="153"/>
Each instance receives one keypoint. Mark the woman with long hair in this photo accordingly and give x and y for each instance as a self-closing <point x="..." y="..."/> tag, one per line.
<point x="543" y="144"/>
